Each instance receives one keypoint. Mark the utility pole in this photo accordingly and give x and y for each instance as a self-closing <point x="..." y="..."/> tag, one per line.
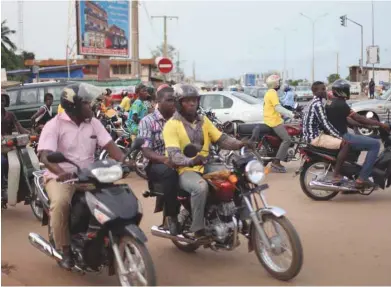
<point x="135" y="72"/>
<point x="373" y="40"/>
<point x="313" y="21"/>
<point x="165" y="44"/>
<point x="338" y="63"/>
<point x="194" y="73"/>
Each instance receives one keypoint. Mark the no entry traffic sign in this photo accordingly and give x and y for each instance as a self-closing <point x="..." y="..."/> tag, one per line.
<point x="164" y="65"/>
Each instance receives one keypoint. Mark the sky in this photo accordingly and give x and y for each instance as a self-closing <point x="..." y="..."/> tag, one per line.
<point x="229" y="38"/>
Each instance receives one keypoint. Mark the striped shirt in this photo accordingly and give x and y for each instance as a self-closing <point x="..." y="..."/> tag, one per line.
<point x="315" y="122"/>
<point x="151" y="128"/>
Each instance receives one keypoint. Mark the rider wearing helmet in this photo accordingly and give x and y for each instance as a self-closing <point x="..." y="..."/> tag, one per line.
<point x="272" y="114"/>
<point x="186" y="127"/>
<point x="75" y="133"/>
<point x="341" y="116"/>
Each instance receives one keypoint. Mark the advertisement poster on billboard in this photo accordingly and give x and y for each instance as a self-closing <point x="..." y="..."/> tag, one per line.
<point x="103" y="28"/>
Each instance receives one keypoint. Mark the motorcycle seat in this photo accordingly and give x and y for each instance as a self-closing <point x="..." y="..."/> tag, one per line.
<point x="247" y="129"/>
<point x="352" y="156"/>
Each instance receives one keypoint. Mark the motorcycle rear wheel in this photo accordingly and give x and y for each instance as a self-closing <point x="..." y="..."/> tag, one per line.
<point x="283" y="274"/>
<point x="307" y="190"/>
<point x="139" y="158"/>
<point x="185" y="222"/>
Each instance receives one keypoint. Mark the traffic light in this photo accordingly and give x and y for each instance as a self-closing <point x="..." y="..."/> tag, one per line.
<point x="343" y="20"/>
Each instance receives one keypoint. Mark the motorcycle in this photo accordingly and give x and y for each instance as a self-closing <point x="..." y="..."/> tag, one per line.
<point x="317" y="184"/>
<point x="231" y="192"/>
<point x="22" y="162"/>
<point x="104" y="224"/>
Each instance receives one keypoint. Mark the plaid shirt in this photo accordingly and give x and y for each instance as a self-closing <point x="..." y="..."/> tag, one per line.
<point x="315" y="122"/>
<point x="151" y="128"/>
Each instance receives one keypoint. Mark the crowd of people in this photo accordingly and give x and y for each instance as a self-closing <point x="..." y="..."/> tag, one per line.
<point x="168" y="121"/>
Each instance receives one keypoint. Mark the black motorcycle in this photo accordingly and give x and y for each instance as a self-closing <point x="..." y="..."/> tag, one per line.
<point x="317" y="168"/>
<point x="104" y="225"/>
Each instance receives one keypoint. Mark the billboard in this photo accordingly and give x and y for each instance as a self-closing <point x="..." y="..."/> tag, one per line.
<point x="103" y="28"/>
<point x="373" y="56"/>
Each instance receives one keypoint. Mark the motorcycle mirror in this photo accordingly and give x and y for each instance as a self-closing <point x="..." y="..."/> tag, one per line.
<point x="369" y="115"/>
<point x="56" y="157"/>
<point x="190" y="150"/>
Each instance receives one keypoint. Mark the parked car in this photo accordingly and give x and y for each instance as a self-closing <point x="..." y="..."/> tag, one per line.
<point x="303" y="93"/>
<point x="26" y="99"/>
<point x="256" y="92"/>
<point x="233" y="106"/>
<point x="375" y="108"/>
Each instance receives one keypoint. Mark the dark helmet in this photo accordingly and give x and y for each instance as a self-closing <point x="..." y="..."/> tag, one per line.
<point x="151" y="92"/>
<point x="341" y="89"/>
<point x="139" y="87"/>
<point x="72" y="97"/>
<point x="5" y="95"/>
<point x="182" y="91"/>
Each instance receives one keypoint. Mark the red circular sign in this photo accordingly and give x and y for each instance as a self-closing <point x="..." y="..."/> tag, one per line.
<point x="165" y="65"/>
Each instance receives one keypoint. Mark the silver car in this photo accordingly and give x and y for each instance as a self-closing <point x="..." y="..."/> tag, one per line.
<point x="377" y="109"/>
<point x="303" y="93"/>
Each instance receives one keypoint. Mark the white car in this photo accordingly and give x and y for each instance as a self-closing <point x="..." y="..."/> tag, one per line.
<point x="233" y="106"/>
<point x="303" y="93"/>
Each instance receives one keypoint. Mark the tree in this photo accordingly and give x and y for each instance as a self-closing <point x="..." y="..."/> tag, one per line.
<point x="6" y="44"/>
<point x="333" y="77"/>
<point x="158" y="52"/>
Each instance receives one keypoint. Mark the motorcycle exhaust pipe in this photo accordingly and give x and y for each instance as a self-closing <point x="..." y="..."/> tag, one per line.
<point x="330" y="187"/>
<point x="40" y="243"/>
<point x="156" y="231"/>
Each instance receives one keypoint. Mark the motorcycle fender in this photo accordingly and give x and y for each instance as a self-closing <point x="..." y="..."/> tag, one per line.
<point x="136" y="233"/>
<point x="13" y="177"/>
<point x="276" y="211"/>
<point x="33" y="158"/>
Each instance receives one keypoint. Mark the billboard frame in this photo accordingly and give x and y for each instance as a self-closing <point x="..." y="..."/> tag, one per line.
<point x="79" y="36"/>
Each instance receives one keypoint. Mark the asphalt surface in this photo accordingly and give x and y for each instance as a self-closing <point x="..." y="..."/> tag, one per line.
<point x="346" y="241"/>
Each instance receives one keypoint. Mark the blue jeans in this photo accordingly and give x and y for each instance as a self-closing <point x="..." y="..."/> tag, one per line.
<point x="361" y="143"/>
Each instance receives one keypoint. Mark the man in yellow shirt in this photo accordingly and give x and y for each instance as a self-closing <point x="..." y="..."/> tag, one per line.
<point x="185" y="127"/>
<point x="272" y="110"/>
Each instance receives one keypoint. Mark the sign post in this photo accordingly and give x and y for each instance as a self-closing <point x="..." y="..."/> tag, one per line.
<point x="164" y="65"/>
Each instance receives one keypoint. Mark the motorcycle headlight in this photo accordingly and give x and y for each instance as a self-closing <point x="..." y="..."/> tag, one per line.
<point x="108" y="174"/>
<point x="255" y="172"/>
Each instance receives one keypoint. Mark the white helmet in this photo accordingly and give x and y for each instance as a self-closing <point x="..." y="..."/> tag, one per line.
<point x="273" y="81"/>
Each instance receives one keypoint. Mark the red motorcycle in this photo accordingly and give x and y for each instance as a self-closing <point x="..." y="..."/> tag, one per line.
<point x="268" y="142"/>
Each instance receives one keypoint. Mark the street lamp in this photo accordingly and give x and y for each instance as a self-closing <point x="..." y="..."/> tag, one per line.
<point x="284" y="33"/>
<point x="313" y="21"/>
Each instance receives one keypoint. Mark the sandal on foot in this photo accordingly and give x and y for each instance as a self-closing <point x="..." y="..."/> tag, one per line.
<point x="278" y="169"/>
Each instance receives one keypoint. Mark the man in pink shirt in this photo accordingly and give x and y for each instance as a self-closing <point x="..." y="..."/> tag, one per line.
<point x="74" y="133"/>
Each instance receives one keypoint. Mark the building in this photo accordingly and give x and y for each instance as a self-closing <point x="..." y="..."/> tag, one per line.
<point x="96" y="25"/>
<point x="381" y="74"/>
<point x="119" y="68"/>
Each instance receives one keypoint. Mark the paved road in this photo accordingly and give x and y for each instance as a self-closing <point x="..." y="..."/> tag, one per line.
<point x="346" y="242"/>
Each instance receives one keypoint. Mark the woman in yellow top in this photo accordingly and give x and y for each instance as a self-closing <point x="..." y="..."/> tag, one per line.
<point x="126" y="102"/>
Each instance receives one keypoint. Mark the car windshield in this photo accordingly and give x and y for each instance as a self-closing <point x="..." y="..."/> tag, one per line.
<point x="303" y="89"/>
<point x="246" y="98"/>
<point x="386" y="95"/>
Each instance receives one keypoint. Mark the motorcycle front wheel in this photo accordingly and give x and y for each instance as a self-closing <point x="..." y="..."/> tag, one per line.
<point x="140" y="165"/>
<point x="285" y="243"/>
<point x="35" y="204"/>
<point x="137" y="262"/>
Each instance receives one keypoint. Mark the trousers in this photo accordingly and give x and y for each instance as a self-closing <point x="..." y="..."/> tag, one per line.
<point x="286" y="142"/>
<point x="164" y="180"/>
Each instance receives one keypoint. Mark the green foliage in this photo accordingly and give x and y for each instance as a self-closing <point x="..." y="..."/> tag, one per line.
<point x="333" y="77"/>
<point x="295" y="83"/>
<point x="6" y="43"/>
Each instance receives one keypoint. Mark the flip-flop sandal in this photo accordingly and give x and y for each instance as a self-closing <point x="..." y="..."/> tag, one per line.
<point x="364" y="184"/>
<point x="278" y="169"/>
